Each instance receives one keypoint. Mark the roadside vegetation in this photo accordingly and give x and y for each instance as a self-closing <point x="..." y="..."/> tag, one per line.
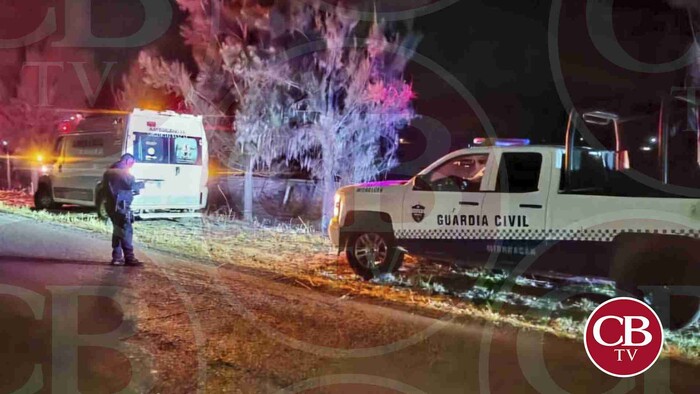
<point x="300" y="256"/>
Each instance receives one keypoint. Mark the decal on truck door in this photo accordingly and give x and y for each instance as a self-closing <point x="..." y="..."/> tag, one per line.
<point x="517" y="221"/>
<point x="418" y="212"/>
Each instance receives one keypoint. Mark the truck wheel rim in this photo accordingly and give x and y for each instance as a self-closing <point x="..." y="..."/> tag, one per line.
<point x="370" y="250"/>
<point x="45" y="199"/>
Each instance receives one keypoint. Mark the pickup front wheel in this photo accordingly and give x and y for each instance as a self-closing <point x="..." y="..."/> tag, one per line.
<point x="43" y="198"/>
<point x="373" y="254"/>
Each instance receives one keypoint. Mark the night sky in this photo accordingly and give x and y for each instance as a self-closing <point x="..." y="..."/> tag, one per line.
<point x="501" y="52"/>
<point x="496" y="51"/>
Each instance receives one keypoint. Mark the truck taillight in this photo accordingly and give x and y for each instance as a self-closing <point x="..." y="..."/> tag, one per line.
<point x="336" y="206"/>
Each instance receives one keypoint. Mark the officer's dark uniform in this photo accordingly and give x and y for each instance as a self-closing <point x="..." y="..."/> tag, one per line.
<point x="120" y="188"/>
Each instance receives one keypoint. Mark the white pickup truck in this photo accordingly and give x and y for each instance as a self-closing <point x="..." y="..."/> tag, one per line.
<point x="532" y="212"/>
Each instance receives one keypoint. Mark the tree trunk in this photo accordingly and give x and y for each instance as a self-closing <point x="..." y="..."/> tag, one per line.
<point x="248" y="191"/>
<point x="328" y="200"/>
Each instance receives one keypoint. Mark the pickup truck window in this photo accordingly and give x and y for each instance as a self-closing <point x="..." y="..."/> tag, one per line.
<point x="460" y="174"/>
<point x="590" y="172"/>
<point x="519" y="172"/>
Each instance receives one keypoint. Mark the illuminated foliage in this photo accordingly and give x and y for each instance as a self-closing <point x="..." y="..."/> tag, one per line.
<point x="305" y="83"/>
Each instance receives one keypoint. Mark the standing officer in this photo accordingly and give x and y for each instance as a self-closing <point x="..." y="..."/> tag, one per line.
<point x="120" y="187"/>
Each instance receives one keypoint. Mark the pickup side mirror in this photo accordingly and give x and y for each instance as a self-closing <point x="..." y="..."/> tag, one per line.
<point x="422" y="182"/>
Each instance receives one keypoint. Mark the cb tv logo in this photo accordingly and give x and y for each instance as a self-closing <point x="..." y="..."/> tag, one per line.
<point x="623" y="337"/>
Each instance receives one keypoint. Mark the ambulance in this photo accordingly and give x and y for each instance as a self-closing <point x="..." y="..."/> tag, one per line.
<point x="171" y="159"/>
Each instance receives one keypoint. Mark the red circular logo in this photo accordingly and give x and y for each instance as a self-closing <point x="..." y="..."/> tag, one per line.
<point x="623" y="337"/>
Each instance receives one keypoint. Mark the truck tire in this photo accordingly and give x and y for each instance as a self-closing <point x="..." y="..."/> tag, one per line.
<point x="371" y="254"/>
<point x="660" y="261"/>
<point x="43" y="199"/>
<point x="101" y="206"/>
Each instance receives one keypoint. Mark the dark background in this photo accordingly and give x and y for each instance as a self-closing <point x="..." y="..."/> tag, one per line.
<point x="500" y="52"/>
<point x="497" y="51"/>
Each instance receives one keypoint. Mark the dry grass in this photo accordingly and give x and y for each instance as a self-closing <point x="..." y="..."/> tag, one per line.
<point x="299" y="256"/>
<point x="16" y="198"/>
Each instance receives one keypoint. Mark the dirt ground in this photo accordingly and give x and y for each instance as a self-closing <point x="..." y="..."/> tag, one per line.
<point x="209" y="283"/>
<point x="303" y="257"/>
<point x="208" y="328"/>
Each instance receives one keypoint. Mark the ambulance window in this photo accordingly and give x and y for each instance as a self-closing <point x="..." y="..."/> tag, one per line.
<point x="71" y="149"/>
<point x="460" y="174"/>
<point x="57" y="149"/>
<point x="187" y="150"/>
<point x="86" y="146"/>
<point x="519" y="172"/>
<point x="151" y="148"/>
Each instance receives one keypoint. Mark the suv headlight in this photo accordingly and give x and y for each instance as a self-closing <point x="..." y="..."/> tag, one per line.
<point x="336" y="205"/>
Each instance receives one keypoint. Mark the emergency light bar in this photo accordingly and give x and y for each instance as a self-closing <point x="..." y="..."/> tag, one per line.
<point x="481" y="141"/>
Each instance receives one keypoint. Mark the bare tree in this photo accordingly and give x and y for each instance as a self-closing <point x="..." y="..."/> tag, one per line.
<point x="336" y="109"/>
<point x="136" y="93"/>
<point x="261" y="123"/>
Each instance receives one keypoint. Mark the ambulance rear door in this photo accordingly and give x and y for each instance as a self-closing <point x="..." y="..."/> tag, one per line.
<point x="170" y="153"/>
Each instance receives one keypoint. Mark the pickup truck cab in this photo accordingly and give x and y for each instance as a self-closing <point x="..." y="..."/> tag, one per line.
<point x="516" y="207"/>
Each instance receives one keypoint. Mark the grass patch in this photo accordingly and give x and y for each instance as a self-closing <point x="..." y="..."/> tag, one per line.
<point x="306" y="258"/>
<point x="83" y="221"/>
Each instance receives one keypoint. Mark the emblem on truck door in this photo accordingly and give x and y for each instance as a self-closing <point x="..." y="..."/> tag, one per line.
<point x="418" y="212"/>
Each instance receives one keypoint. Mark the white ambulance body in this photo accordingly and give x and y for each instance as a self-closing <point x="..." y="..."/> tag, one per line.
<point x="171" y="159"/>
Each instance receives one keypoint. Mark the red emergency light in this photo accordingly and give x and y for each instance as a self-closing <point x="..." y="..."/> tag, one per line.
<point x="68" y="125"/>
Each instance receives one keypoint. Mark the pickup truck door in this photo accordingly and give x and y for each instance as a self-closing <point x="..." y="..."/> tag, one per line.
<point x="444" y="206"/>
<point x="515" y="205"/>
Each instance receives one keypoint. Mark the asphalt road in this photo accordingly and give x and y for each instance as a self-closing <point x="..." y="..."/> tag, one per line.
<point x="69" y="321"/>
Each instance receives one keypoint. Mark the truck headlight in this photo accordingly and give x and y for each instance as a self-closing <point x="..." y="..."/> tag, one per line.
<point x="336" y="206"/>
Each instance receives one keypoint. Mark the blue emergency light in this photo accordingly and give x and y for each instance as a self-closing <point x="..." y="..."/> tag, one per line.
<point x="481" y="141"/>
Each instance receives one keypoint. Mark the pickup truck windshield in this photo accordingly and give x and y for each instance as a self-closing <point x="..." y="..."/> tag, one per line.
<point x="460" y="174"/>
<point x="162" y="149"/>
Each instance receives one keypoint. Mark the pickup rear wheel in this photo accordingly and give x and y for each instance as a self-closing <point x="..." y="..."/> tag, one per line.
<point x="373" y="254"/>
<point x="681" y="310"/>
